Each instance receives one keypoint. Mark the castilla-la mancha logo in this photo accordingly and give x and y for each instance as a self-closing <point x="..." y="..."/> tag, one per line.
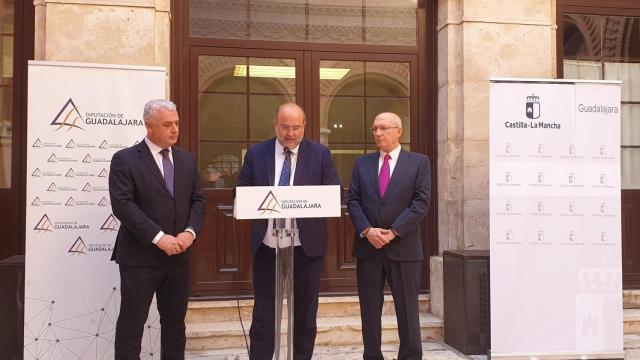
<point x="68" y="117"/>
<point x="533" y="107"/>
<point x="269" y="205"/>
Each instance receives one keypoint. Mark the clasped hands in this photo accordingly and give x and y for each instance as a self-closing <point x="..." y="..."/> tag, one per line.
<point x="379" y="237"/>
<point x="174" y="245"/>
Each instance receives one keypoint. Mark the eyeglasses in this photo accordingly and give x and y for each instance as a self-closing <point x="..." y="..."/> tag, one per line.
<point x="287" y="128"/>
<point x="383" y="128"/>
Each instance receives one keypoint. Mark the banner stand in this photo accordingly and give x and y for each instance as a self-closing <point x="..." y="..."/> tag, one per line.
<point x="555" y="219"/>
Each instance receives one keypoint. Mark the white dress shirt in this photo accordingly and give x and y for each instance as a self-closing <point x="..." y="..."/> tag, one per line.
<point x="157" y="156"/>
<point x="279" y="154"/>
<point x="392" y="162"/>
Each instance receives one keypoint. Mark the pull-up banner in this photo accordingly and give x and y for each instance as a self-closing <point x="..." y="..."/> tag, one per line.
<point x="556" y="273"/>
<point x="79" y="115"/>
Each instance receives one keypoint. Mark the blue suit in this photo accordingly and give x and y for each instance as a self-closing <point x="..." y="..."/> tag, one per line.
<point x="144" y="206"/>
<point x="402" y="208"/>
<point x="314" y="166"/>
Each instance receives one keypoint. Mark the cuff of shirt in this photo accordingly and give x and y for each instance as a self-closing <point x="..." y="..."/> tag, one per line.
<point x="193" y="232"/>
<point x="157" y="238"/>
<point x="364" y="232"/>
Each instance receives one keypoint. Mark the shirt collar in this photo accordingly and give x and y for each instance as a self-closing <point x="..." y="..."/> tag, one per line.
<point x="394" y="153"/>
<point x="153" y="147"/>
<point x="280" y="148"/>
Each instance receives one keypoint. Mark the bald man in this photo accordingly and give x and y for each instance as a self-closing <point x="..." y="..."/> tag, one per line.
<point x="288" y="159"/>
<point x="388" y="198"/>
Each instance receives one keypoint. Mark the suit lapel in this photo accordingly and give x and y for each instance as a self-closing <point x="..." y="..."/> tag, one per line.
<point x="372" y="169"/>
<point x="152" y="166"/>
<point x="271" y="161"/>
<point x="300" y="161"/>
<point x="398" y="170"/>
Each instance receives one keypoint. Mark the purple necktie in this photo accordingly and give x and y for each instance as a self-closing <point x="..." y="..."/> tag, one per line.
<point x="385" y="175"/>
<point x="167" y="168"/>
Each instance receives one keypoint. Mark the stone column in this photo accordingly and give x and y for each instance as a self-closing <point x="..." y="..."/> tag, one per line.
<point x="477" y="40"/>
<point x="135" y="32"/>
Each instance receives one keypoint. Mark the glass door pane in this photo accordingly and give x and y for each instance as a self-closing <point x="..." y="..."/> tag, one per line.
<point x="237" y="99"/>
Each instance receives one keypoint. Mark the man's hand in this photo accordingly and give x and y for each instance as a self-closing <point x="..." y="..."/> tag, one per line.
<point x="387" y="236"/>
<point x="185" y="239"/>
<point x="376" y="237"/>
<point x="169" y="245"/>
<point x="379" y="237"/>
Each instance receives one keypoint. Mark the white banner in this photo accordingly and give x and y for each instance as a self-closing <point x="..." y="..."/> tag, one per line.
<point x="556" y="261"/>
<point x="79" y="115"/>
<point x="278" y="202"/>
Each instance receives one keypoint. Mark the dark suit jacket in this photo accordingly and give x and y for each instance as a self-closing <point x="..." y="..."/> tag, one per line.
<point x="402" y="208"/>
<point x="144" y="206"/>
<point x="314" y="166"/>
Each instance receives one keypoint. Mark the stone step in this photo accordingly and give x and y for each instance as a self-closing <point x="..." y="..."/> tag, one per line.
<point x="335" y="331"/>
<point x="431" y="350"/>
<point x="631" y="321"/>
<point x="631" y="299"/>
<point x="329" y="306"/>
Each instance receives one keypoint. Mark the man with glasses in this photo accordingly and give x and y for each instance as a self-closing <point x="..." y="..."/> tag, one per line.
<point x="388" y="198"/>
<point x="287" y="160"/>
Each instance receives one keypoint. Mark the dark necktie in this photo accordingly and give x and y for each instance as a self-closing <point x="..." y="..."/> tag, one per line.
<point x="167" y="168"/>
<point x="385" y="175"/>
<point x="285" y="175"/>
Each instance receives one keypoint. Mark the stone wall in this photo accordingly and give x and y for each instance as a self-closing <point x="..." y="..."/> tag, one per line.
<point x="134" y="32"/>
<point x="478" y="40"/>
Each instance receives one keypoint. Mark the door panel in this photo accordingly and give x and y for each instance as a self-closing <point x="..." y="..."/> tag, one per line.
<point x="350" y="90"/>
<point x="238" y="92"/>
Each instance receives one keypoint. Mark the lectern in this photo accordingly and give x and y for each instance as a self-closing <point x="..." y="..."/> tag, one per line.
<point x="285" y="204"/>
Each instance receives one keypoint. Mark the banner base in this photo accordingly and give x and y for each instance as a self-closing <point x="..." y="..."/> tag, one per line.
<point x="564" y="355"/>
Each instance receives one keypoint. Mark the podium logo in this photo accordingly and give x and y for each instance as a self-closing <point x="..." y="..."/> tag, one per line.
<point x="87" y="188"/>
<point x="110" y="225"/>
<point x="68" y="117"/>
<point x="269" y="205"/>
<point x="43" y="225"/>
<point x="533" y="107"/>
<point x="78" y="247"/>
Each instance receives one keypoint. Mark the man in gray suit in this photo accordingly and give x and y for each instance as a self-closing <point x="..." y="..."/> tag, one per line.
<point x="388" y="198"/>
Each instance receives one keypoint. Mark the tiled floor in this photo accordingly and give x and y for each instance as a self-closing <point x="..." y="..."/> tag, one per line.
<point x="431" y="351"/>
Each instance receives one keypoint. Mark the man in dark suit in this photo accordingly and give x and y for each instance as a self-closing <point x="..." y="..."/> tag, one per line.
<point x="388" y="197"/>
<point x="287" y="159"/>
<point x="160" y="215"/>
